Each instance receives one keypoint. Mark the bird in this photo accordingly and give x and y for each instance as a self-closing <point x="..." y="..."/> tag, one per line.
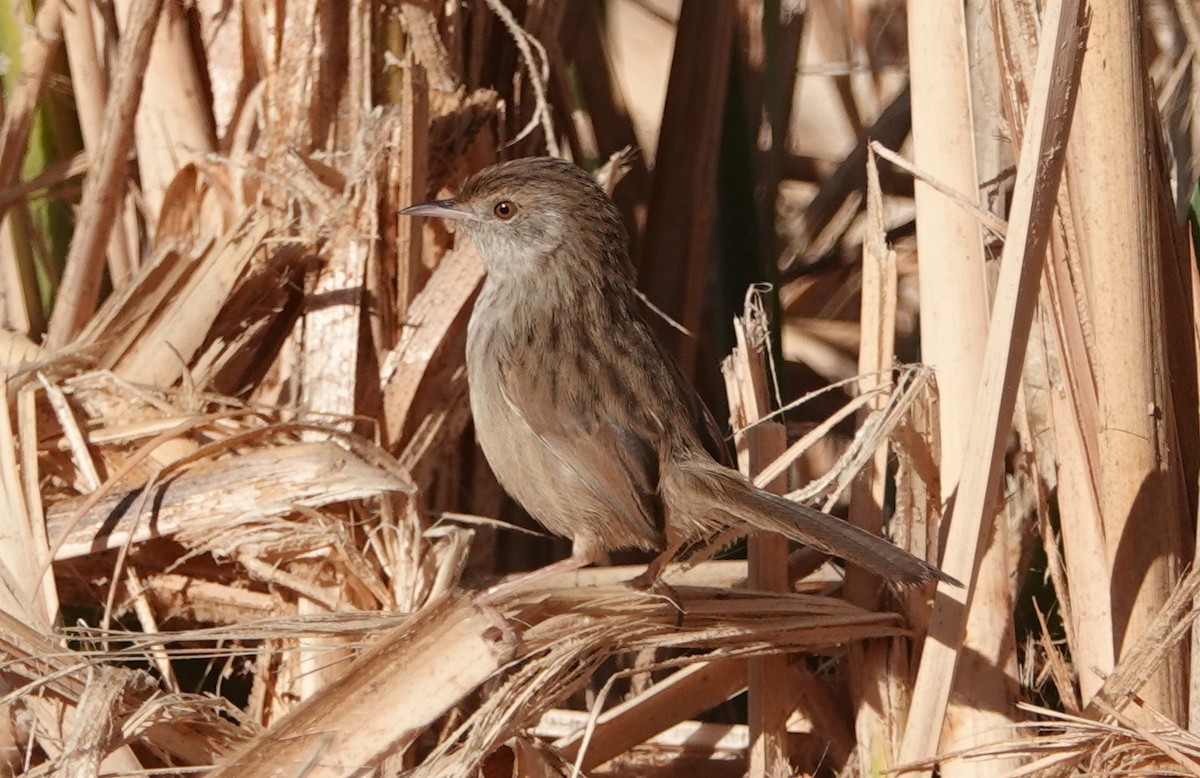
<point x="583" y="415"/>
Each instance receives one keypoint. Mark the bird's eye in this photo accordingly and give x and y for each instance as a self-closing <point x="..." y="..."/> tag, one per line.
<point x="505" y="209"/>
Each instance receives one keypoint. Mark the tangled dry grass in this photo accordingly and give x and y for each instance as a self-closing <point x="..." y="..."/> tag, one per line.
<point x="245" y="529"/>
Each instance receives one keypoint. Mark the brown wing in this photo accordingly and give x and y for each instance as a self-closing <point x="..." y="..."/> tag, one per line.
<point x="616" y="464"/>
<point x="706" y="426"/>
<point x="700" y="417"/>
<point x="611" y="409"/>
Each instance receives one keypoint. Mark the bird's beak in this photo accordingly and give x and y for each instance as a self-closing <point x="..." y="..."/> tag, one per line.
<point x="445" y="209"/>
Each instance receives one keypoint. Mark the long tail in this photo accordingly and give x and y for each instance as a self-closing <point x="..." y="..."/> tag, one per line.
<point x="707" y="496"/>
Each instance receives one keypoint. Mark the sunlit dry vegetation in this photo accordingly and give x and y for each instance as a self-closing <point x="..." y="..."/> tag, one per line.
<point x="245" y="530"/>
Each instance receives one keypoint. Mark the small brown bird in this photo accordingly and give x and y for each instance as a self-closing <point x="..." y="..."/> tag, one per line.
<point x="584" y="418"/>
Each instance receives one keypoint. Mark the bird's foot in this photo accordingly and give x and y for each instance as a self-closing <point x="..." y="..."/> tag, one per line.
<point x="656" y="587"/>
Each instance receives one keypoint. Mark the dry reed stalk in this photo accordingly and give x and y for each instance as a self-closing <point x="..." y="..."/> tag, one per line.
<point x="1074" y="411"/>
<point x="209" y="495"/>
<point x="22" y="552"/>
<point x="954" y="305"/>
<point x="565" y="639"/>
<point x="1038" y="172"/>
<point x="728" y="741"/>
<point x="411" y="184"/>
<point x="94" y="731"/>
<point x="1139" y="472"/>
<point x="331" y="373"/>
<point x="748" y="384"/>
<point x="90" y="87"/>
<point x="675" y="251"/>
<point x="79" y="292"/>
<point x="878" y="669"/>
<point x="685" y="694"/>
<point x="414" y="674"/>
<point x="428" y="349"/>
<point x="22" y="311"/>
<point x="34" y="508"/>
<point x="174" y="119"/>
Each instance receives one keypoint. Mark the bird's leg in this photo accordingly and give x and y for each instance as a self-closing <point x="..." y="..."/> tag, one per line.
<point x="582" y="555"/>
<point x="649" y="577"/>
<point x="650" y="580"/>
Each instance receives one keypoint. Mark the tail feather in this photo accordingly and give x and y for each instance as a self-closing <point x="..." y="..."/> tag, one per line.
<point x="713" y="487"/>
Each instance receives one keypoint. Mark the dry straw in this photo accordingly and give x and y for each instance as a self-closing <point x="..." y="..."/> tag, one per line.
<point x="244" y="528"/>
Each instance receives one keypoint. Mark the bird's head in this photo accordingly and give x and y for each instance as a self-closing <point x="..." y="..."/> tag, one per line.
<point x="526" y="214"/>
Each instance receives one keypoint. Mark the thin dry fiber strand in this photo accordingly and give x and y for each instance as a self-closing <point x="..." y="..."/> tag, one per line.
<point x="1059" y="744"/>
<point x="900" y="391"/>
